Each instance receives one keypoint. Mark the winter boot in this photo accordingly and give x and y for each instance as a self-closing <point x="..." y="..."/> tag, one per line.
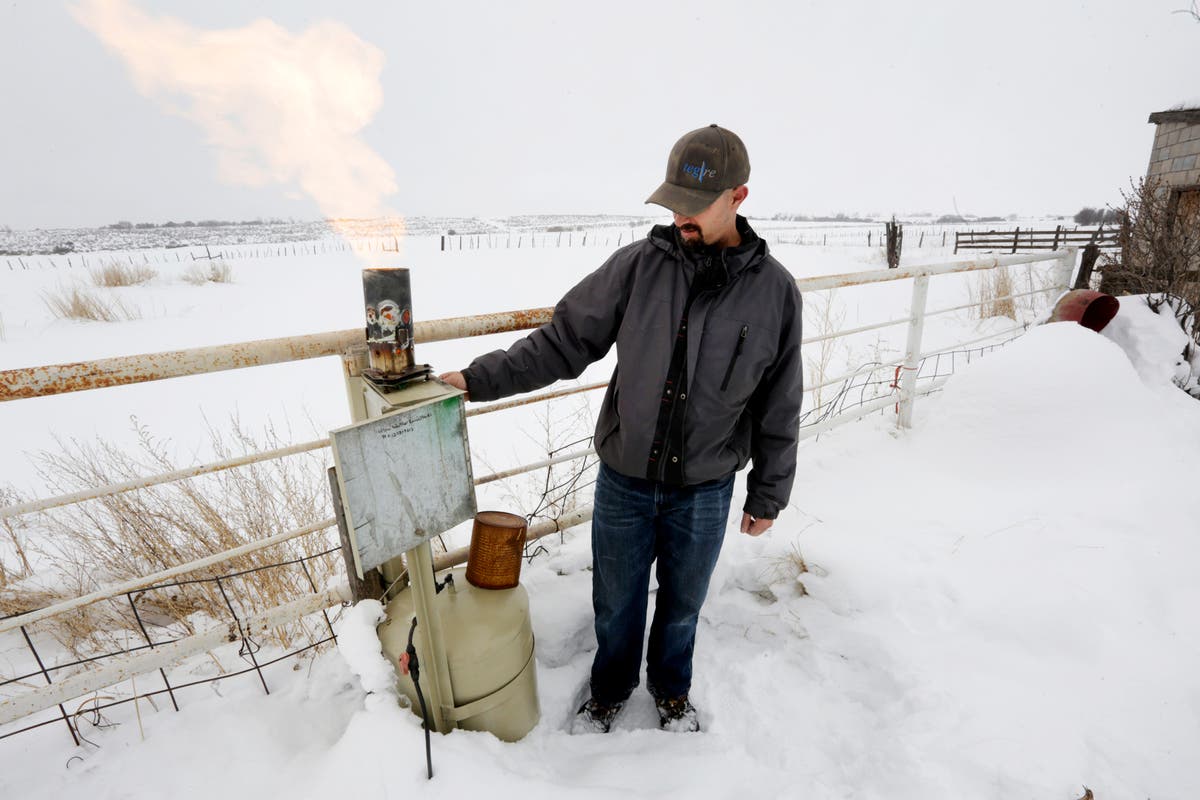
<point x="595" y="717"/>
<point x="677" y="714"/>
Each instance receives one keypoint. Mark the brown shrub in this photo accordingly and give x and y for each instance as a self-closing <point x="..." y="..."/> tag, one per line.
<point x="112" y="539"/>
<point x="75" y="302"/>
<point x="116" y="274"/>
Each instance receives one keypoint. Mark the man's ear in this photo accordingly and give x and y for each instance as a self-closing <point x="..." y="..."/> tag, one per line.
<point x="739" y="194"/>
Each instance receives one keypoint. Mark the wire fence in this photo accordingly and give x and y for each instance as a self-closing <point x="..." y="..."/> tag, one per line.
<point x="193" y="253"/>
<point x="308" y="638"/>
<point x="882" y="379"/>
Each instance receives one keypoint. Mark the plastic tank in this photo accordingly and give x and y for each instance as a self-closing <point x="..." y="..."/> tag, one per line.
<point x="489" y="647"/>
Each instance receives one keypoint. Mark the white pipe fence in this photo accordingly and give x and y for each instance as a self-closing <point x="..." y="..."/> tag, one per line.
<point x="55" y="379"/>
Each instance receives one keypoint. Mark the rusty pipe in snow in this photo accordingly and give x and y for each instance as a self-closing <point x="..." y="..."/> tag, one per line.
<point x="1091" y="309"/>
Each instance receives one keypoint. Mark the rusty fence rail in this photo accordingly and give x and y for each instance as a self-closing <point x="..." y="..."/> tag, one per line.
<point x="900" y="392"/>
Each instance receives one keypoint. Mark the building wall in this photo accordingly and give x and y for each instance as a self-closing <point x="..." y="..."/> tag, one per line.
<point x="1175" y="157"/>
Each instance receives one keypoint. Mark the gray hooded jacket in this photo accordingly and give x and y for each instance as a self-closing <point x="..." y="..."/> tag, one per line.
<point x="744" y="375"/>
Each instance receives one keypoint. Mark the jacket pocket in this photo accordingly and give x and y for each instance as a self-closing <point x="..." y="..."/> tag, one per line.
<point x="737" y="351"/>
<point x="609" y="421"/>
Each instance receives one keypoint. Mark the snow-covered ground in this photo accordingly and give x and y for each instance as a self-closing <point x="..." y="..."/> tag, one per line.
<point x="998" y="603"/>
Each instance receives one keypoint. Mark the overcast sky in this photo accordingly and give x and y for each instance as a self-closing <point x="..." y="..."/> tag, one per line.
<point x="293" y="108"/>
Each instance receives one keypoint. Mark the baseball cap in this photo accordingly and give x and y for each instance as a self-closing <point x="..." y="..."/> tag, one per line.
<point x="702" y="164"/>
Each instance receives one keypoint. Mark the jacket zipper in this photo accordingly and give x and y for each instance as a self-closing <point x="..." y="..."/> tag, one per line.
<point x="737" y="351"/>
<point x="662" y="464"/>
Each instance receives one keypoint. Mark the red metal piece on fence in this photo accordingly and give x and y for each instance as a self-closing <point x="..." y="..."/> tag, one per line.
<point x="1091" y="309"/>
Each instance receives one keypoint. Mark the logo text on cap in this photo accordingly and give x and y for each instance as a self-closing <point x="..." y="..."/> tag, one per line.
<point x="699" y="173"/>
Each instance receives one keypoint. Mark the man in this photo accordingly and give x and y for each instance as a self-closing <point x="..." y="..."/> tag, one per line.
<point x="707" y="329"/>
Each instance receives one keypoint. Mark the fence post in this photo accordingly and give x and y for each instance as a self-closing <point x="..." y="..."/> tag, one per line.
<point x="912" y="352"/>
<point x="1086" y="264"/>
<point x="895" y="240"/>
<point x="1016" y="239"/>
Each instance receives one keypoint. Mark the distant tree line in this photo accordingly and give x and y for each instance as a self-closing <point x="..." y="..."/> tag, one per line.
<point x="945" y="219"/>
<point x="954" y="219"/>
<point x="806" y="218"/>
<point x="1097" y="216"/>
<point x="125" y="225"/>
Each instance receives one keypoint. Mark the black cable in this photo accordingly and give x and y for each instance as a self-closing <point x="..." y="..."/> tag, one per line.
<point x="439" y="586"/>
<point x="414" y="669"/>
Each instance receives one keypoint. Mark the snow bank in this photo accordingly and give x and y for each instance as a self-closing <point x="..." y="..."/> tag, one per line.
<point x="359" y="645"/>
<point x="1154" y="342"/>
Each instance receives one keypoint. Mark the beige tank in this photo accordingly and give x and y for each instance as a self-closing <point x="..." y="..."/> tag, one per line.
<point x="489" y="646"/>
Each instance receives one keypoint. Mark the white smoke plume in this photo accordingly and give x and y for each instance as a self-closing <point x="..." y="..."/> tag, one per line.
<point x="278" y="107"/>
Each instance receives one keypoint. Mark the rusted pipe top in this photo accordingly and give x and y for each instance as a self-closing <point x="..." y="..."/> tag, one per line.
<point x="1091" y="309"/>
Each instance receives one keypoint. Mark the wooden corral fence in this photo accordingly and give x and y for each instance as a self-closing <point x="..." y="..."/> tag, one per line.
<point x="1030" y="239"/>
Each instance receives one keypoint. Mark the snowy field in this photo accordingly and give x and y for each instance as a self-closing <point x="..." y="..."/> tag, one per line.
<point x="998" y="603"/>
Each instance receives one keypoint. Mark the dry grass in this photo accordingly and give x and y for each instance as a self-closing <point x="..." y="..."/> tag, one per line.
<point x="214" y="272"/>
<point x="791" y="566"/>
<point x="14" y="560"/>
<point x="1043" y="288"/>
<point x="76" y="302"/>
<point x="822" y="317"/>
<point x="116" y="274"/>
<point x="992" y="294"/>
<point x="111" y="539"/>
<point x="28" y="599"/>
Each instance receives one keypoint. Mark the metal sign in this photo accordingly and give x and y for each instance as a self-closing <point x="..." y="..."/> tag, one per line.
<point x="405" y="478"/>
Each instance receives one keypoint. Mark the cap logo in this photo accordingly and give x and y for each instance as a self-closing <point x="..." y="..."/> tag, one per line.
<point x="701" y="172"/>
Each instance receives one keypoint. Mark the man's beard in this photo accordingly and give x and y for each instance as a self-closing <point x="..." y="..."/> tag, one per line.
<point x="695" y="244"/>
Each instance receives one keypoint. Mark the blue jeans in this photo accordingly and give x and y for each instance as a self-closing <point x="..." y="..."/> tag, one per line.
<point x="636" y="522"/>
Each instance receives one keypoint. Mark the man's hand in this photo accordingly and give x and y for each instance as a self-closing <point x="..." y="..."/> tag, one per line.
<point x="753" y="526"/>
<point x="455" y="379"/>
